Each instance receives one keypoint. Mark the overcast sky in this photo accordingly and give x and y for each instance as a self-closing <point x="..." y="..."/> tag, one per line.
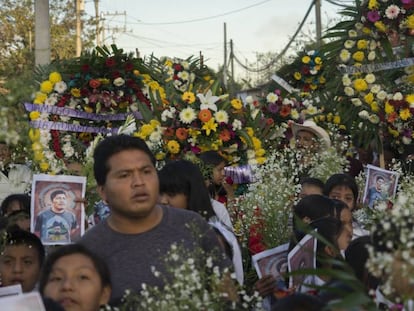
<point x="183" y="28"/>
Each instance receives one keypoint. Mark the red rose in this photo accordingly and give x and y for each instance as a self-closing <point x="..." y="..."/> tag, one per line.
<point x="94" y="83"/>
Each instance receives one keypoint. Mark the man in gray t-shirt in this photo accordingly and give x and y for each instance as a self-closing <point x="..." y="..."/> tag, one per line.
<point x="139" y="233"/>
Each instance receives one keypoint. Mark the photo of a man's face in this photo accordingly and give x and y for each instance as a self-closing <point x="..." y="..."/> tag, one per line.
<point x="59" y="201"/>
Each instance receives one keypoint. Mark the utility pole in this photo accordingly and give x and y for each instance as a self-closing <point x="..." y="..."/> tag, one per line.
<point x="113" y="30"/>
<point x="225" y="57"/>
<point x="231" y="67"/>
<point x="98" y="24"/>
<point x="42" y="32"/>
<point x="318" y="23"/>
<point x="79" y="8"/>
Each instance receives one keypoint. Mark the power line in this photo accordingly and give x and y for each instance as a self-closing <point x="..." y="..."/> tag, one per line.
<point x="201" y="18"/>
<point x="277" y="58"/>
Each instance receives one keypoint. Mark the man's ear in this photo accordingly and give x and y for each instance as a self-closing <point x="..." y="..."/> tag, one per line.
<point x="101" y="192"/>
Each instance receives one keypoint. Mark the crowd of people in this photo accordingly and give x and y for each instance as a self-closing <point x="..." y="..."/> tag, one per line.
<point x="184" y="203"/>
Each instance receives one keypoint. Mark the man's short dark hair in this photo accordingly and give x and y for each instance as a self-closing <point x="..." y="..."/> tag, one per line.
<point x="112" y="145"/>
<point x="55" y="193"/>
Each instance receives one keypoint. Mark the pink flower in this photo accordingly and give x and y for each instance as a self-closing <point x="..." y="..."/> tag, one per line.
<point x="373" y="16"/>
<point x="392" y="11"/>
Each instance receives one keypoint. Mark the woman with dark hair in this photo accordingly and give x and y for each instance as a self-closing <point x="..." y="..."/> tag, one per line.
<point x="15" y="202"/>
<point x="343" y="187"/>
<point x="76" y="278"/>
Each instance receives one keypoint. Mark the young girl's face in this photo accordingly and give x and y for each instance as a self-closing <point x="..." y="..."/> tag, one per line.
<point x="178" y="200"/>
<point x="344" y="194"/>
<point x="19" y="264"/>
<point x="76" y="285"/>
<point x="218" y="173"/>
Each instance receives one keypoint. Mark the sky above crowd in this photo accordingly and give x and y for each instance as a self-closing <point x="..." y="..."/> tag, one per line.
<point x="182" y="28"/>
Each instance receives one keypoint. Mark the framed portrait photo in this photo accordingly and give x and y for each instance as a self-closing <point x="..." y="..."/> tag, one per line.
<point x="380" y="185"/>
<point x="57" y="209"/>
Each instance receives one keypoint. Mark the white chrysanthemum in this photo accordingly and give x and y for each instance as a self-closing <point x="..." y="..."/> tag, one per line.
<point x="68" y="150"/>
<point x="349" y="44"/>
<point x="64" y="118"/>
<point x="60" y="87"/>
<point x="119" y="81"/>
<point x="371" y="56"/>
<point x="406" y="140"/>
<point x="221" y="116"/>
<point x="51" y="100"/>
<point x="352" y="33"/>
<point x="349" y="91"/>
<point x="155" y="136"/>
<point x="398" y="96"/>
<point x="184" y="75"/>
<point x="294" y="114"/>
<point x="370" y="78"/>
<point x="187" y="115"/>
<point x="359" y="26"/>
<point x="363" y="114"/>
<point x="272" y="97"/>
<point x="382" y="95"/>
<point x="373" y="45"/>
<point x="236" y="125"/>
<point x="312" y="110"/>
<point x="287" y="101"/>
<point x="374" y="119"/>
<point x="44" y="116"/>
<point x="249" y="100"/>
<point x="251" y="154"/>
<point x="345" y="56"/>
<point x="165" y="115"/>
<point x="346" y="81"/>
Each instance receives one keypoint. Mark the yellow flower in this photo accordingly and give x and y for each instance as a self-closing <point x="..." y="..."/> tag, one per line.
<point x="322" y="80"/>
<point x="389" y="108"/>
<point x="260" y="152"/>
<point x="410" y="98"/>
<point x="358" y="56"/>
<point x="168" y="62"/>
<point x="410" y="21"/>
<point x="173" y="147"/>
<point x="373" y="4"/>
<point x="209" y="126"/>
<point x="146" y="130"/>
<point x="366" y="30"/>
<point x="37" y="146"/>
<point x="236" y="103"/>
<point x="44" y="166"/>
<point x="360" y="85"/>
<point x="154" y="85"/>
<point x="337" y="119"/>
<point x="374" y="107"/>
<point x="34" y="134"/>
<point x="297" y="75"/>
<point x="405" y="114"/>
<point x="260" y="160"/>
<point x="257" y="144"/>
<point x="362" y="44"/>
<point x="136" y="72"/>
<point x="34" y="115"/>
<point x="39" y="98"/>
<point x="160" y="156"/>
<point x="46" y="87"/>
<point x="154" y="123"/>
<point x="55" y="77"/>
<point x="188" y="97"/>
<point x="249" y="131"/>
<point x="318" y="60"/>
<point x="380" y="26"/>
<point x="38" y="156"/>
<point x="104" y="81"/>
<point x="75" y="92"/>
<point x="369" y="98"/>
<point x="393" y="132"/>
<point x="306" y="59"/>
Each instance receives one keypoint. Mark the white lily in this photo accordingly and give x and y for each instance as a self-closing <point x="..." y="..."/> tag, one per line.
<point x="208" y="101"/>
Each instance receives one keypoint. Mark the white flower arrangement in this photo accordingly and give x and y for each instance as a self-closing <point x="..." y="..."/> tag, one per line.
<point x="192" y="288"/>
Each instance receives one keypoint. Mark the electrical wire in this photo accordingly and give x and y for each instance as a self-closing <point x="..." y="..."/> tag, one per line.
<point x="281" y="54"/>
<point x="201" y="18"/>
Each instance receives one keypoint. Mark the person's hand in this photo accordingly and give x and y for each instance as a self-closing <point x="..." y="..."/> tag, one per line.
<point x="266" y="285"/>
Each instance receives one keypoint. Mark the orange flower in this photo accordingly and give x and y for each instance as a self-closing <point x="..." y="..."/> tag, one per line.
<point x="285" y="111"/>
<point x="204" y="115"/>
<point x="225" y="135"/>
<point x="94" y="83"/>
<point x="169" y="132"/>
<point x="269" y="121"/>
<point x="181" y="133"/>
<point x="392" y="117"/>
